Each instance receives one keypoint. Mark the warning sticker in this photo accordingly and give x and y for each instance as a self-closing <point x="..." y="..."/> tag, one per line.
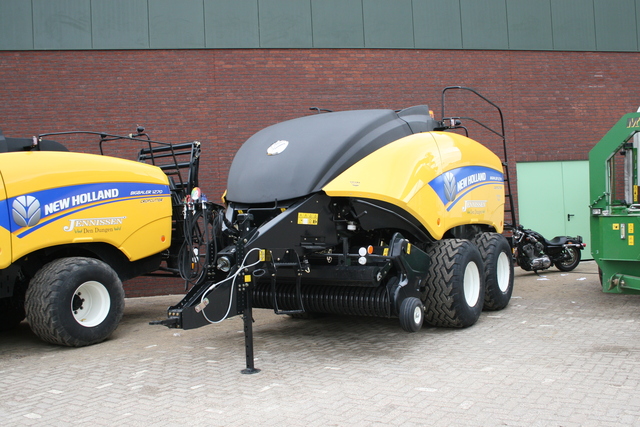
<point x="307" y="218"/>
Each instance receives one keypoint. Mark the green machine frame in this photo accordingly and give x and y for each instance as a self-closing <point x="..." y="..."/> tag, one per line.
<point x="615" y="206"/>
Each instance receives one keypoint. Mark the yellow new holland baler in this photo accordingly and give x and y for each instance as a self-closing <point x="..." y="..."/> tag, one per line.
<point x="73" y="226"/>
<point x="368" y="212"/>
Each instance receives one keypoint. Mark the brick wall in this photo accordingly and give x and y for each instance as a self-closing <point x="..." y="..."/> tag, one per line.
<point x="557" y="105"/>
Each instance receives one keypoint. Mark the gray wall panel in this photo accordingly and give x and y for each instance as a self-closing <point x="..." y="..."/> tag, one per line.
<point x="120" y="24"/>
<point x="337" y="23"/>
<point x="176" y="24"/>
<point x="436" y="24"/>
<point x="61" y="24"/>
<point x="484" y="24"/>
<point x="388" y="24"/>
<point x="285" y="23"/>
<point x="231" y="24"/>
<point x="573" y="25"/>
<point x="16" y="25"/>
<point x="564" y="25"/>
<point x="529" y="24"/>
<point x="616" y="26"/>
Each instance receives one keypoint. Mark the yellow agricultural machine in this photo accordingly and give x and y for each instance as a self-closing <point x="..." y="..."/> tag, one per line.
<point x="73" y="226"/>
<point x="369" y="212"/>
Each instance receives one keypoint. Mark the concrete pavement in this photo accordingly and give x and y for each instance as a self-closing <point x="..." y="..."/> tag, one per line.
<point x="561" y="354"/>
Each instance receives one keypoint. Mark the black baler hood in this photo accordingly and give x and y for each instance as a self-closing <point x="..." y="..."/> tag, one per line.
<point x="319" y="147"/>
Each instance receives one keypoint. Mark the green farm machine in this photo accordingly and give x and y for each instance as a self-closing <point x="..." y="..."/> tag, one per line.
<point x="615" y="206"/>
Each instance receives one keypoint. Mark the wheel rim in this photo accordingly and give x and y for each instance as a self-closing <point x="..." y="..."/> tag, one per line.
<point x="503" y="272"/>
<point x="471" y="284"/>
<point x="90" y="304"/>
<point x="572" y="253"/>
<point x="417" y="315"/>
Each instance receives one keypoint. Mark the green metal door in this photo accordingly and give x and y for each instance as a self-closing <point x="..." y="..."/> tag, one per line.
<point x="554" y="199"/>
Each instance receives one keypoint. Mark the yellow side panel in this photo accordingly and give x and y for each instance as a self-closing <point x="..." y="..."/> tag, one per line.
<point x="113" y="222"/>
<point x="442" y="179"/>
<point x="153" y="235"/>
<point x="5" y="234"/>
<point x="57" y="198"/>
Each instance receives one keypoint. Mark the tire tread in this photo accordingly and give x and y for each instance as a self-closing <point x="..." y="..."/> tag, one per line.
<point x="442" y="302"/>
<point x="46" y="288"/>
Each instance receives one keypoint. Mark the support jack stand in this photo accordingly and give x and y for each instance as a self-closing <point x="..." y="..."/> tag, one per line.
<point x="247" y="318"/>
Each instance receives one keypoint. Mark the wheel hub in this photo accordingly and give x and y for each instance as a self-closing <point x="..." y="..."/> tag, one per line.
<point x="417" y="315"/>
<point x="503" y="272"/>
<point x="471" y="284"/>
<point x="90" y="304"/>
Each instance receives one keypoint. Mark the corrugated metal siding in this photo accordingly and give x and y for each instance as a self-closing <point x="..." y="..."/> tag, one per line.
<point x="484" y="24"/>
<point x="388" y="24"/>
<point x="231" y="23"/>
<point x="578" y="25"/>
<point x="437" y="24"/>
<point x="285" y="23"/>
<point x="529" y="25"/>
<point x="119" y="24"/>
<point x="573" y="24"/>
<point x="61" y="24"/>
<point x="16" y="25"/>
<point x="616" y="25"/>
<point x="337" y="23"/>
<point x="176" y="24"/>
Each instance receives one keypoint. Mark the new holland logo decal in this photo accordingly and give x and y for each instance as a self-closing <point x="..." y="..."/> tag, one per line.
<point x="449" y="184"/>
<point x="26" y="211"/>
<point x="452" y="185"/>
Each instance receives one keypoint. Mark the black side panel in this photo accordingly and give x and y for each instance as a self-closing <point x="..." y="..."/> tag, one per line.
<point x="287" y="231"/>
<point x="318" y="148"/>
<point x="376" y="214"/>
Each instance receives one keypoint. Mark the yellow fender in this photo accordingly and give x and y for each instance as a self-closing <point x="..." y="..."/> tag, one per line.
<point x="442" y="179"/>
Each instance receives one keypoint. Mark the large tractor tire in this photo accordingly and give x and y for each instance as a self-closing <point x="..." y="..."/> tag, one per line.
<point x="498" y="269"/>
<point x="11" y="313"/>
<point x="74" y="302"/>
<point x="454" y="285"/>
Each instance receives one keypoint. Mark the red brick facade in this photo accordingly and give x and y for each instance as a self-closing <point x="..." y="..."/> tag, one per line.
<point x="557" y="105"/>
